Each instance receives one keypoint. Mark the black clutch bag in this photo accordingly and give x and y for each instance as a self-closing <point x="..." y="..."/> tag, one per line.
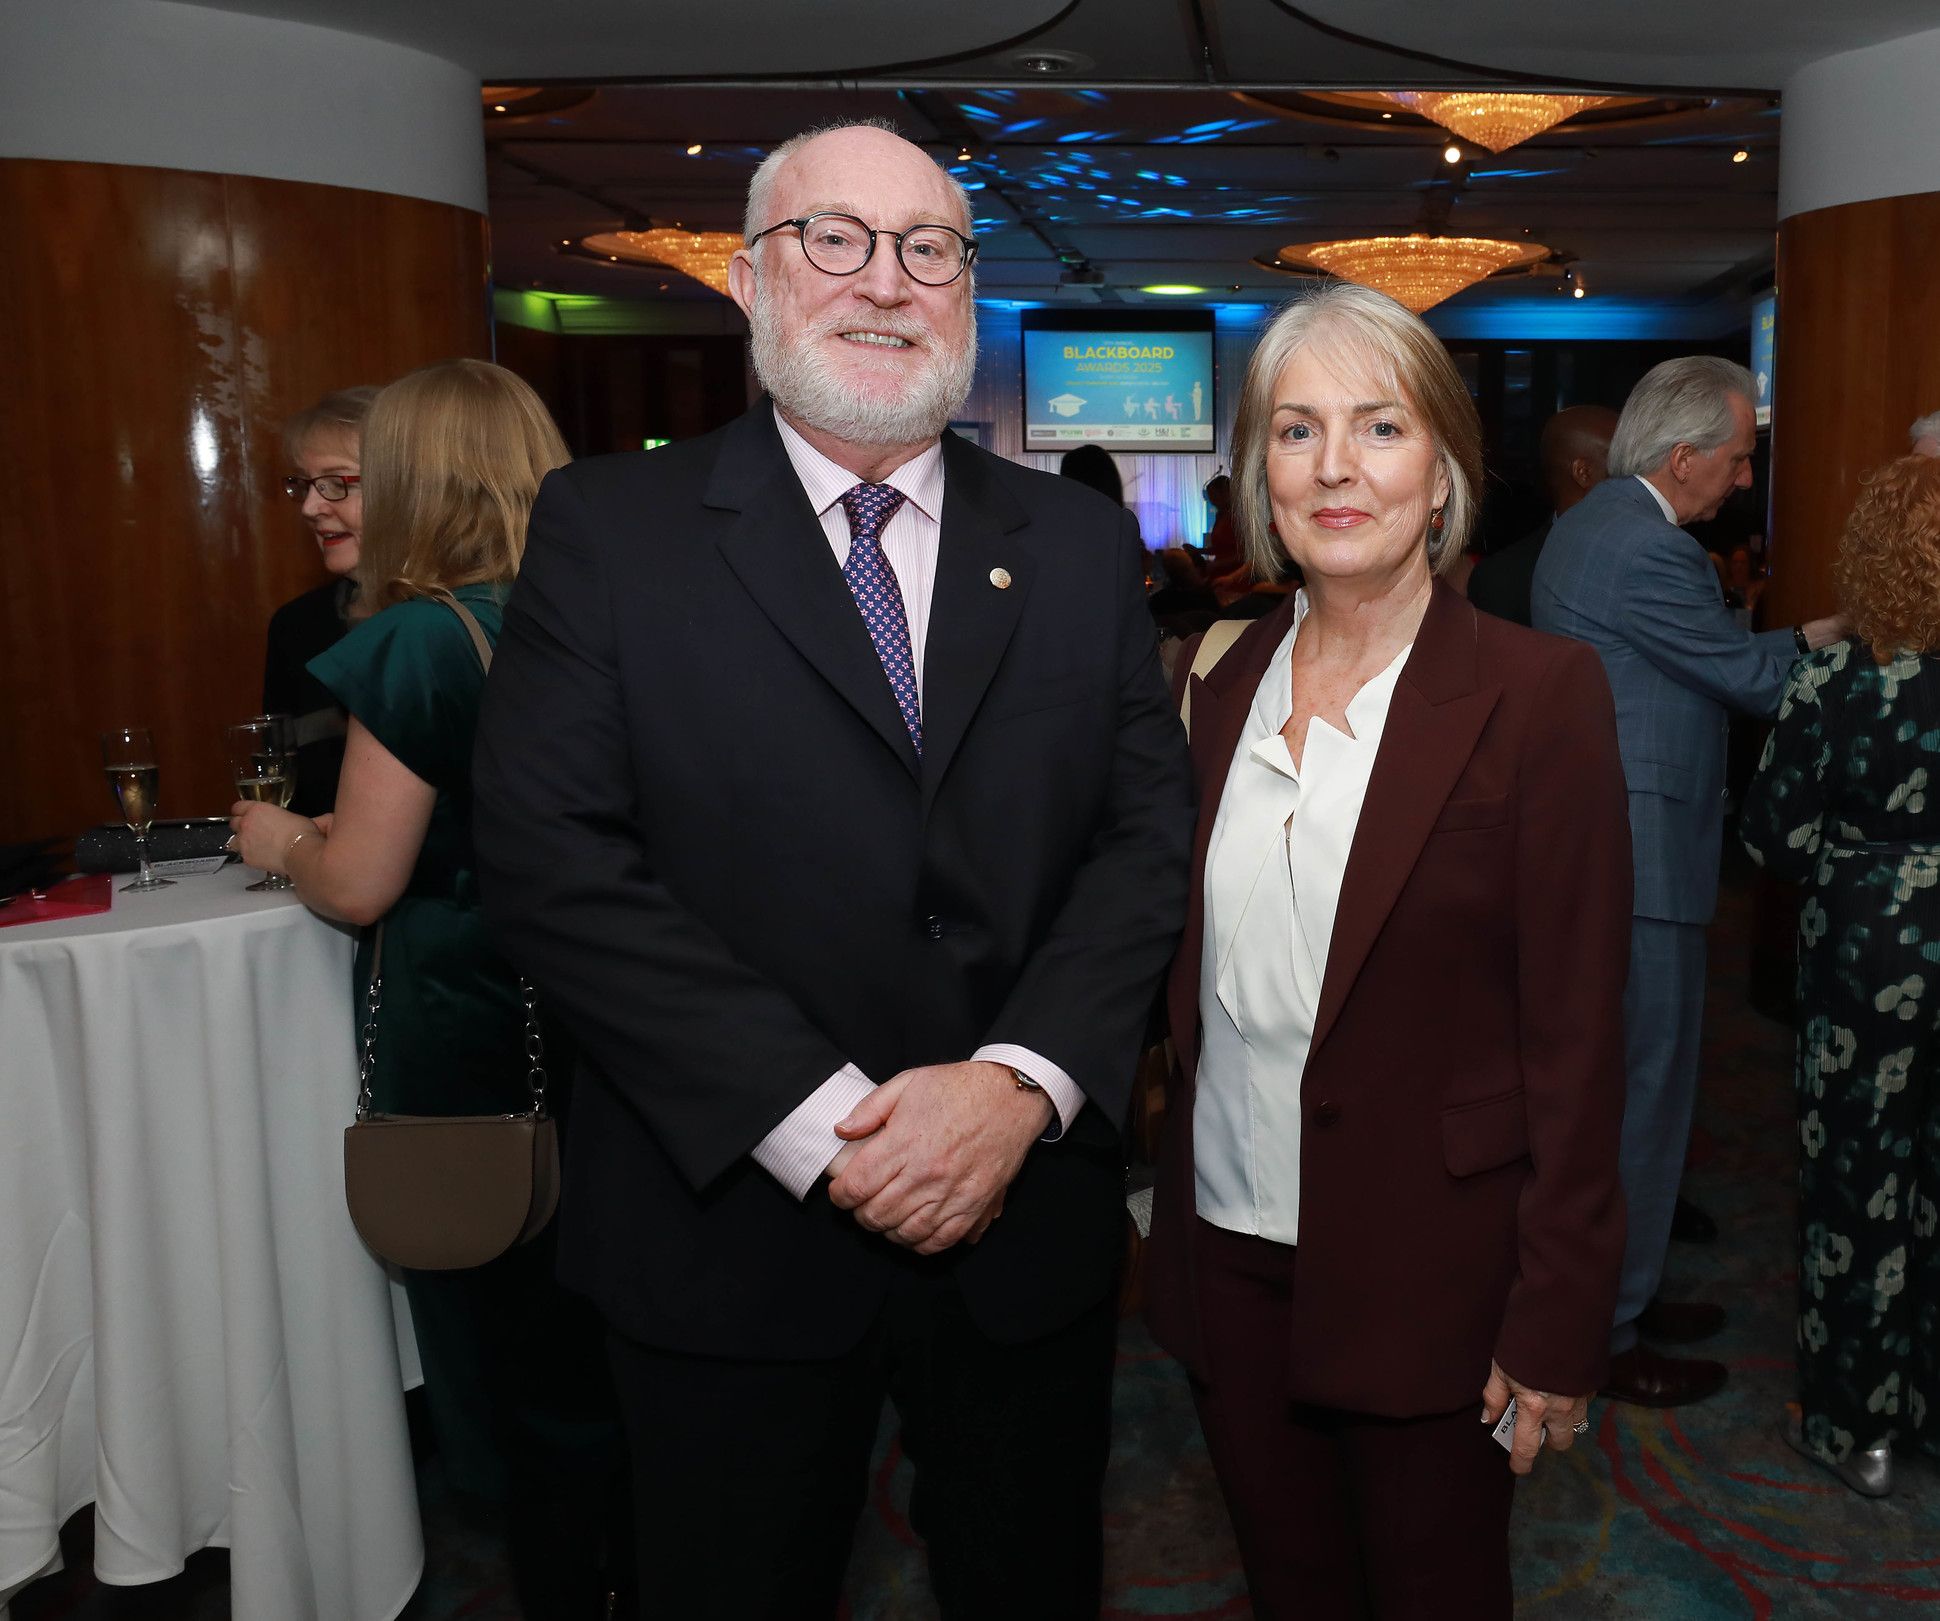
<point x="111" y="847"/>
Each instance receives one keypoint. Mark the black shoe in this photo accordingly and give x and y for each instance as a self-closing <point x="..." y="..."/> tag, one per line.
<point x="1650" y="1379"/>
<point x="1690" y="1225"/>
<point x="1680" y="1322"/>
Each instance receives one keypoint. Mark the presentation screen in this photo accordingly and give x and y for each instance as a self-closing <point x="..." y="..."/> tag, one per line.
<point x="1764" y="355"/>
<point x="1121" y="383"/>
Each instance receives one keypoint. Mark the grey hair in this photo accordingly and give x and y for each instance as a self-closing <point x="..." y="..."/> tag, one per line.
<point x="761" y="186"/>
<point x="1927" y="427"/>
<point x="1686" y="401"/>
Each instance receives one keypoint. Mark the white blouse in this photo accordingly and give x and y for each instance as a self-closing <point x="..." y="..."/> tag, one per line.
<point x="1273" y="875"/>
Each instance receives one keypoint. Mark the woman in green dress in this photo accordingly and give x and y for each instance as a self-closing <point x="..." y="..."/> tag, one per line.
<point x="515" y="1379"/>
<point x="1847" y="802"/>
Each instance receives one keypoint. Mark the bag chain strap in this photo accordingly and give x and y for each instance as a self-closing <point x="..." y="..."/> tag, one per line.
<point x="535" y="1040"/>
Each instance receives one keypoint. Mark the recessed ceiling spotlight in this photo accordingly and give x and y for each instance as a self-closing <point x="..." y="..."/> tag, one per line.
<point x="1048" y="64"/>
<point x="694" y="151"/>
<point x="1386" y="116"/>
<point x="1173" y="289"/>
<point x="1740" y="155"/>
<point x="498" y="106"/>
<point x="1451" y="153"/>
<point x="1578" y="291"/>
<point x="963" y="154"/>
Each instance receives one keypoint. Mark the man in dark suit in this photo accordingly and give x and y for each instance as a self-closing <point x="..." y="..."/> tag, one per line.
<point x="828" y="788"/>
<point x="1575" y="453"/>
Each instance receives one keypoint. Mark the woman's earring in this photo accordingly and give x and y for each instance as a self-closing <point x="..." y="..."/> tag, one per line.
<point x="1437" y="522"/>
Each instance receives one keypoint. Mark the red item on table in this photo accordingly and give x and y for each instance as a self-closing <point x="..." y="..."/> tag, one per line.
<point x="72" y="897"/>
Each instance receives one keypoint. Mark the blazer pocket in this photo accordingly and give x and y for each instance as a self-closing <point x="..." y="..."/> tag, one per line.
<point x="1467" y="813"/>
<point x="1052" y="694"/>
<point x="1659" y="777"/>
<point x="1485" y="1135"/>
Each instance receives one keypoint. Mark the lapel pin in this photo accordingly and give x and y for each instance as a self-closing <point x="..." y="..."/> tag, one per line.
<point x="1000" y="577"/>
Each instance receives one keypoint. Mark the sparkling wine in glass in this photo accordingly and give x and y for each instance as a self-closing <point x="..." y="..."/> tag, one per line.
<point x="128" y="757"/>
<point x="262" y="761"/>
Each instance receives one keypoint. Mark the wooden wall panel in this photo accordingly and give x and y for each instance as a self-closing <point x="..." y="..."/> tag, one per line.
<point x="1858" y="359"/>
<point x="158" y="326"/>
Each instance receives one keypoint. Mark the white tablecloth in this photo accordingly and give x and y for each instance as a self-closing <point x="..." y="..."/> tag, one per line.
<point x="191" y="1334"/>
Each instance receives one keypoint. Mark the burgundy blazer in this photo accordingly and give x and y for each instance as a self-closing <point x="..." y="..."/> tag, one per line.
<point x="1463" y="1098"/>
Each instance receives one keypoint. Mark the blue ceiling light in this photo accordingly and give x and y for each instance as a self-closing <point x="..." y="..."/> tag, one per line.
<point x="1201" y="129"/>
<point x="970" y="109"/>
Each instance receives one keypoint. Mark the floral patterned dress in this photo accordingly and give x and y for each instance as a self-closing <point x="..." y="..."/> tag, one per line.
<point x="1847" y="801"/>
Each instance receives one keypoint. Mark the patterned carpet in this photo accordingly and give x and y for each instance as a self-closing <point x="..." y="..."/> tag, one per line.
<point x="1695" y="1513"/>
<point x="1680" y="1516"/>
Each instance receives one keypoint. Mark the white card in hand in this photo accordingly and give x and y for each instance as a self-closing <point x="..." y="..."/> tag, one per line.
<point x="1504" y="1433"/>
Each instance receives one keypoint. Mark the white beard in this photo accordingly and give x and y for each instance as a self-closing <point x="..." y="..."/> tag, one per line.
<point x="813" y="393"/>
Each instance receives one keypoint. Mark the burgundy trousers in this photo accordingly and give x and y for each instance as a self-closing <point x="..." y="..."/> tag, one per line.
<point x="1340" y="1514"/>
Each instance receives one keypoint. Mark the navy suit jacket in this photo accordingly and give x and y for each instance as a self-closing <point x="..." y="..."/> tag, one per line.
<point x="1617" y="574"/>
<point x="703" y="832"/>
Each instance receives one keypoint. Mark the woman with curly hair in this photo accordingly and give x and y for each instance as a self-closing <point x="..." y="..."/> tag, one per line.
<point x="1847" y="802"/>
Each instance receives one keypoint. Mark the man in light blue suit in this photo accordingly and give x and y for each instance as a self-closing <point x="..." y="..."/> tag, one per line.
<point x="1620" y="573"/>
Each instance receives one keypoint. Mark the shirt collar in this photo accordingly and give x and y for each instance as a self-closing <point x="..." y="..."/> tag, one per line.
<point x="1657" y="495"/>
<point x="1273" y="702"/>
<point x="920" y="479"/>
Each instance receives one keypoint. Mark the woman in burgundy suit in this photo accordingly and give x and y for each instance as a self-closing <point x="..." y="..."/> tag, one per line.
<point x="1388" y="1198"/>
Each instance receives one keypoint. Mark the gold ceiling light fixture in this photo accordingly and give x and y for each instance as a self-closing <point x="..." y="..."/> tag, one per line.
<point x="704" y="255"/>
<point x="1497" y="119"/>
<point x="1417" y="270"/>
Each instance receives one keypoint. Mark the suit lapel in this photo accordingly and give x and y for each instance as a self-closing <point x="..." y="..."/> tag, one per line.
<point x="971" y="618"/>
<point x="1436" y="715"/>
<point x="778" y="551"/>
<point x="1220" y="705"/>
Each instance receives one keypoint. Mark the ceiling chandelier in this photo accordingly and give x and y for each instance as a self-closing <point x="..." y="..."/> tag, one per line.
<point x="1497" y="119"/>
<point x="1416" y="270"/>
<point x="704" y="255"/>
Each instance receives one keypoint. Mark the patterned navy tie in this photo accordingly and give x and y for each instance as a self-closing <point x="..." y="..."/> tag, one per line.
<point x="873" y="583"/>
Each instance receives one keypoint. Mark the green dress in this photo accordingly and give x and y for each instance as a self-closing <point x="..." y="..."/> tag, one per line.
<point x="1847" y="802"/>
<point x="514" y="1368"/>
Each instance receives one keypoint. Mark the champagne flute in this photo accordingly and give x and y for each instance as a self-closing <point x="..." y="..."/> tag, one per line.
<point x="128" y="757"/>
<point x="262" y="760"/>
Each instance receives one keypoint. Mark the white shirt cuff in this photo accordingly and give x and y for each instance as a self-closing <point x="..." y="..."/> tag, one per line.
<point x="1063" y="1092"/>
<point x="798" y="1150"/>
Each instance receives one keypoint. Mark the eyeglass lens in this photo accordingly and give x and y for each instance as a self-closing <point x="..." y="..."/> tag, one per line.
<point x="840" y="245"/>
<point x="330" y="487"/>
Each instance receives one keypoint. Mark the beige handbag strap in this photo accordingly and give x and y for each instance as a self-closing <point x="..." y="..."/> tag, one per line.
<point x="476" y="631"/>
<point x="1213" y="646"/>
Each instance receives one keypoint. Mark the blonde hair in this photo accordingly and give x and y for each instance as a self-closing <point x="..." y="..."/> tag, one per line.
<point x="1399" y="353"/>
<point x="1887" y="570"/>
<point x="339" y="413"/>
<point x="453" y="456"/>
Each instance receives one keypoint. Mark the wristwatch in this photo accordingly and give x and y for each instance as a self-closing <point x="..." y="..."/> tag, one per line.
<point x="1024" y="1082"/>
<point x="1798" y="636"/>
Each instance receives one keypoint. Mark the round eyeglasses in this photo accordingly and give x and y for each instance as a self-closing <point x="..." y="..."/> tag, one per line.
<point x="840" y="245"/>
<point x="332" y="486"/>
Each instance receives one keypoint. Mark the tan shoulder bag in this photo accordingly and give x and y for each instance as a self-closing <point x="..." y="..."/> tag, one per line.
<point x="441" y="1192"/>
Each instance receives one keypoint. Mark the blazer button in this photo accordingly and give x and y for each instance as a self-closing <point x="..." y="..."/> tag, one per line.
<point x="933" y="927"/>
<point x="1325" y="1114"/>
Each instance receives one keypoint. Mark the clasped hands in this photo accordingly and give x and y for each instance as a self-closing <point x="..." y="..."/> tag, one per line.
<point x="1542" y="1418"/>
<point x="930" y="1153"/>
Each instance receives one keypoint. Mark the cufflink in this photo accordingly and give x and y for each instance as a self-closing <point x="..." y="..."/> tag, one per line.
<point x="1000" y="577"/>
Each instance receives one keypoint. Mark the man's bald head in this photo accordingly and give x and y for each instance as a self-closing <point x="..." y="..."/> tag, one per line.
<point x="1575" y="453"/>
